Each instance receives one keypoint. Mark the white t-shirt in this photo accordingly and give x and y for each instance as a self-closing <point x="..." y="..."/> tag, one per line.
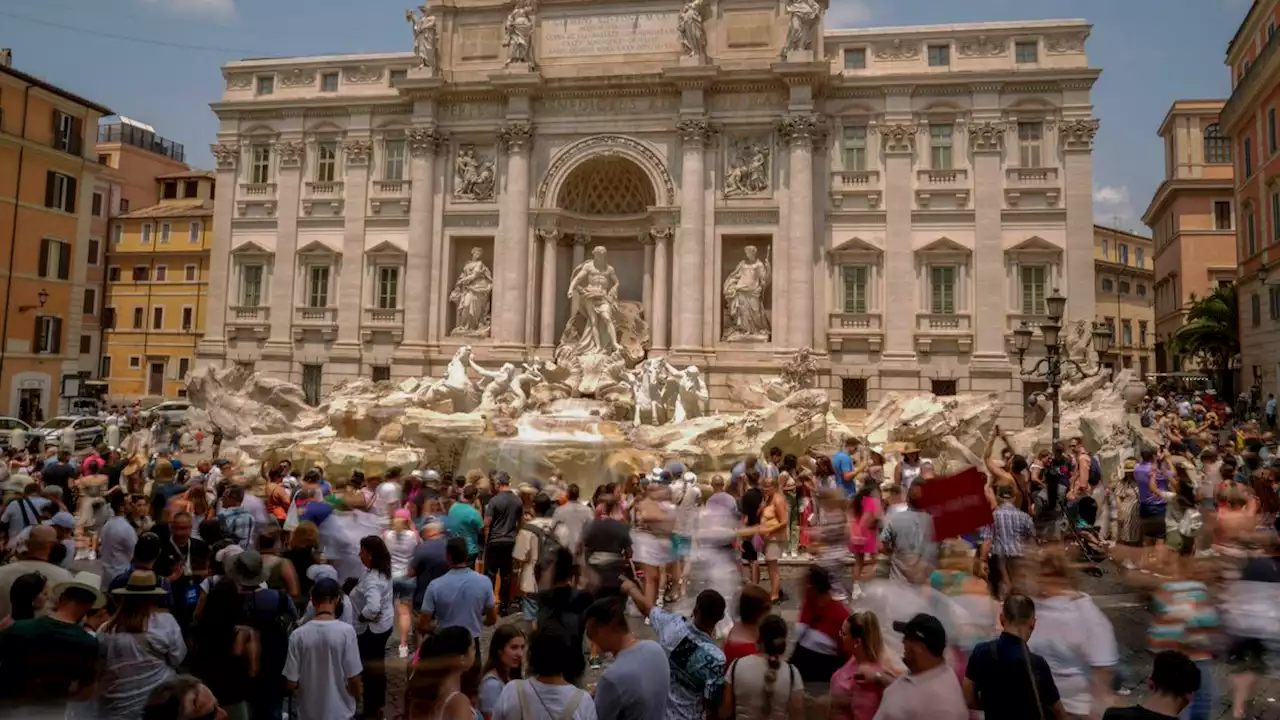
<point x="685" y="497"/>
<point x="1074" y="637"/>
<point x="545" y="702"/>
<point x="400" y="543"/>
<point x="323" y="656"/>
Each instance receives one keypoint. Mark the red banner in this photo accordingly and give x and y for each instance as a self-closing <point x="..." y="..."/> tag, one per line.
<point x="957" y="503"/>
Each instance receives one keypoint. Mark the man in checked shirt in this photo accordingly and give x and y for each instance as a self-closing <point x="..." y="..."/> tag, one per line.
<point x="1004" y="540"/>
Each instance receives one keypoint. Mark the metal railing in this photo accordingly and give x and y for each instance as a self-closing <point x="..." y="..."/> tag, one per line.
<point x="139" y="138"/>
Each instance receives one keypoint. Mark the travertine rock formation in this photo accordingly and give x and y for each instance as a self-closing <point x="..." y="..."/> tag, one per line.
<point x="242" y="402"/>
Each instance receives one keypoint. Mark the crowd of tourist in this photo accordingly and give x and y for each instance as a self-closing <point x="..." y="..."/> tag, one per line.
<point x="137" y="585"/>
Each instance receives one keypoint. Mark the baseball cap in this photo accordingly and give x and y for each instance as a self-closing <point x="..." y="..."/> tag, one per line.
<point x="63" y="519"/>
<point x="925" y="629"/>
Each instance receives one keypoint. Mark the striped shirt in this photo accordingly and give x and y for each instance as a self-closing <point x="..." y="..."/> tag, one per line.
<point x="1011" y="527"/>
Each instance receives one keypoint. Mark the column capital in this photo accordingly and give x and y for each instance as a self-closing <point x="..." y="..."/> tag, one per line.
<point x="799" y="128"/>
<point x="226" y="155"/>
<point x="695" y="129"/>
<point x="516" y="136"/>
<point x="426" y="141"/>
<point x="549" y="235"/>
<point x="1077" y="134"/>
<point x="898" y="137"/>
<point x="289" y="152"/>
<point x="661" y="234"/>
<point x="987" y="136"/>
<point x="357" y="151"/>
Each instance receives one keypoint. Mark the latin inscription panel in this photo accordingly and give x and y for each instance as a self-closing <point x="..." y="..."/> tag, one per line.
<point x="623" y="34"/>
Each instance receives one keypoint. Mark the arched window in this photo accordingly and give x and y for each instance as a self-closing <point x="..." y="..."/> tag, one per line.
<point x="1217" y="147"/>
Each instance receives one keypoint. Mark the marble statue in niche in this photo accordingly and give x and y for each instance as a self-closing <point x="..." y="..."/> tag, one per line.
<point x="519" y="33"/>
<point x="426" y="38"/>
<point x="693" y="33"/>
<point x="471" y="294"/>
<point x="593" y="294"/>
<point x="748" y="171"/>
<point x="473" y="177"/>
<point x="803" y="27"/>
<point x="744" y="293"/>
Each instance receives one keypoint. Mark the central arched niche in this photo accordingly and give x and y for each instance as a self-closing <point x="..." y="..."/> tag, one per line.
<point x="606" y="185"/>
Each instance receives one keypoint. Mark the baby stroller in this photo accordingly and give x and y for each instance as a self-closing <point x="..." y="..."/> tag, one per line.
<point x="1080" y="531"/>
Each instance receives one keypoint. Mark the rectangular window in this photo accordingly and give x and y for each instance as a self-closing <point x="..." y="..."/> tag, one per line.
<point x="124" y="206"/>
<point x="1106" y="250"/>
<point x="86" y="344"/>
<point x="48" y="335"/>
<point x="97" y="205"/>
<point x="854" y="288"/>
<point x="1271" y="131"/>
<point x="260" y="164"/>
<point x="1124" y="287"/>
<point x="95" y="251"/>
<point x="393" y="160"/>
<point x="184" y="367"/>
<point x="135" y="361"/>
<point x="1142" y="333"/>
<point x="318" y="286"/>
<point x="381" y="373"/>
<point x="266" y="84"/>
<point x="312" y="382"/>
<point x="855" y="59"/>
<point x="141" y="273"/>
<point x="1251" y="241"/>
<point x="1221" y="215"/>
<point x="853" y="393"/>
<point x="940" y="150"/>
<point x="165" y="231"/>
<point x="1255" y="310"/>
<point x="326" y="161"/>
<point x="942" y="290"/>
<point x="1110" y="324"/>
<point x="329" y="82"/>
<point x="1123" y="253"/>
<point x="169" y="190"/>
<point x="1035" y="283"/>
<point x="396" y="76"/>
<point x="1026" y="52"/>
<point x="104" y="367"/>
<point x="939" y="55"/>
<point x="139" y="316"/>
<point x="108" y="318"/>
<point x="191" y="189"/>
<point x="189" y="273"/>
<point x="855" y="148"/>
<point x="1273" y="302"/>
<point x="1126" y="333"/>
<point x="251" y="285"/>
<point x="944" y="388"/>
<point x="117" y="233"/>
<point x="1248" y="157"/>
<point x="162" y="273"/>
<point x="388" y="288"/>
<point x="1275" y="216"/>
<point x="146" y="233"/>
<point x="55" y="260"/>
<point x="90" y="301"/>
<point x="1108" y="285"/>
<point x="59" y="191"/>
<point x="64" y="133"/>
<point x="193" y="232"/>
<point x="1137" y="257"/>
<point x="188" y="318"/>
<point x="157" y="318"/>
<point x="1030" y="144"/>
<point x="113" y="273"/>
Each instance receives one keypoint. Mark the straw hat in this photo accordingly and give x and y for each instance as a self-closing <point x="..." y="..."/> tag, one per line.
<point x="86" y="581"/>
<point x="909" y="448"/>
<point x="247" y="569"/>
<point x="135" y="464"/>
<point x="141" y="582"/>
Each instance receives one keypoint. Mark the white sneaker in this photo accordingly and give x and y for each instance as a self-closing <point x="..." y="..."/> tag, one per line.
<point x="404" y="651"/>
<point x="856" y="593"/>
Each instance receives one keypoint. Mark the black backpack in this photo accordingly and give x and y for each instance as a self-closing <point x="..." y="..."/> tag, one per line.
<point x="548" y="548"/>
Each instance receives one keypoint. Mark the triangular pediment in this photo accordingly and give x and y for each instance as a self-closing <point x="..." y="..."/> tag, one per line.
<point x="943" y="245"/>
<point x="386" y="247"/>
<point x="855" y="244"/>
<point x="252" y="248"/>
<point x="1035" y="244"/>
<point x="316" y="247"/>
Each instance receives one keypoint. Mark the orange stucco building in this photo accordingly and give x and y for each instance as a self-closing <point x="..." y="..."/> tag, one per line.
<point x="48" y="175"/>
<point x="1192" y="219"/>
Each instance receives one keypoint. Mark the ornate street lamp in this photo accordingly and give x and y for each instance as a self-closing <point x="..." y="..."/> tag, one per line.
<point x="1056" y="366"/>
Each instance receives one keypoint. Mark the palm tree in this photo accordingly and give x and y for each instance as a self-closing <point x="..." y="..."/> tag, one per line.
<point x="1211" y="332"/>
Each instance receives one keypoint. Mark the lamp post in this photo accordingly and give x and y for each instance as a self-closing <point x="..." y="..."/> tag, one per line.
<point x="1056" y="366"/>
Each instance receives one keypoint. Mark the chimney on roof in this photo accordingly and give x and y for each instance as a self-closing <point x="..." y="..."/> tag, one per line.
<point x="6" y="57"/>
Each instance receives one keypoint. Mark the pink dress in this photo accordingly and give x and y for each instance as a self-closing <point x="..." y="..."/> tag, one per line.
<point x="862" y="530"/>
<point x="852" y="699"/>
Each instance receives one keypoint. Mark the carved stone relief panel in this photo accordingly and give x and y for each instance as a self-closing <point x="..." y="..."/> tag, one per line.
<point x="474" y="173"/>
<point x="748" y="165"/>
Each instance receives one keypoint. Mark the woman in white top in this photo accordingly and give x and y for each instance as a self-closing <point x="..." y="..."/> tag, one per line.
<point x="762" y="686"/>
<point x="374" y="615"/>
<point x="547" y="695"/>
<point x="908" y="470"/>
<point x="141" y="647"/>
<point x="401" y="539"/>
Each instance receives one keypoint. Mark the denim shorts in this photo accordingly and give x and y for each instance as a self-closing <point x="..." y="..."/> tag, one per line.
<point x="403" y="587"/>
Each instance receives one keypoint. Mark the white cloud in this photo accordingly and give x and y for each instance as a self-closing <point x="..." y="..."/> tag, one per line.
<point x="848" y="13"/>
<point x="1112" y="207"/>
<point x="211" y="9"/>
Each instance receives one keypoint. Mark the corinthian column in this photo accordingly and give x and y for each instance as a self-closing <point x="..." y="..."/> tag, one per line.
<point x="288" y="155"/>
<point x="547" y="312"/>
<point x="798" y="131"/>
<point x="661" y="290"/>
<point x="424" y="142"/>
<point x="213" y="345"/>
<point x="689" y="246"/>
<point x="511" y="265"/>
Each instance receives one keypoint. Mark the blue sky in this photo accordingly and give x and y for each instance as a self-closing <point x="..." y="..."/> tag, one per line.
<point x="1151" y="52"/>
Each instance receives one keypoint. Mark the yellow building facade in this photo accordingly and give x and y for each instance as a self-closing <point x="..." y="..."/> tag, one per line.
<point x="157" y="290"/>
<point x="1124" y="277"/>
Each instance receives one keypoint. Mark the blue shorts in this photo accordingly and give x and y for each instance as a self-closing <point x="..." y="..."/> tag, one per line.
<point x="680" y="546"/>
<point x="403" y="587"/>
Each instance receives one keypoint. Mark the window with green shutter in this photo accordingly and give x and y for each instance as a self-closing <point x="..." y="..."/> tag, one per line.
<point x="942" y="290"/>
<point x="854" y="282"/>
<point x="1034" y="284"/>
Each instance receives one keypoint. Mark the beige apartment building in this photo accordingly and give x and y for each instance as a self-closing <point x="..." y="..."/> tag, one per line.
<point x="917" y="191"/>
<point x="1191" y="218"/>
<point x="1124" y="266"/>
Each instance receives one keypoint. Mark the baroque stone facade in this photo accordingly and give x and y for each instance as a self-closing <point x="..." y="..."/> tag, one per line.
<point x="904" y="192"/>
